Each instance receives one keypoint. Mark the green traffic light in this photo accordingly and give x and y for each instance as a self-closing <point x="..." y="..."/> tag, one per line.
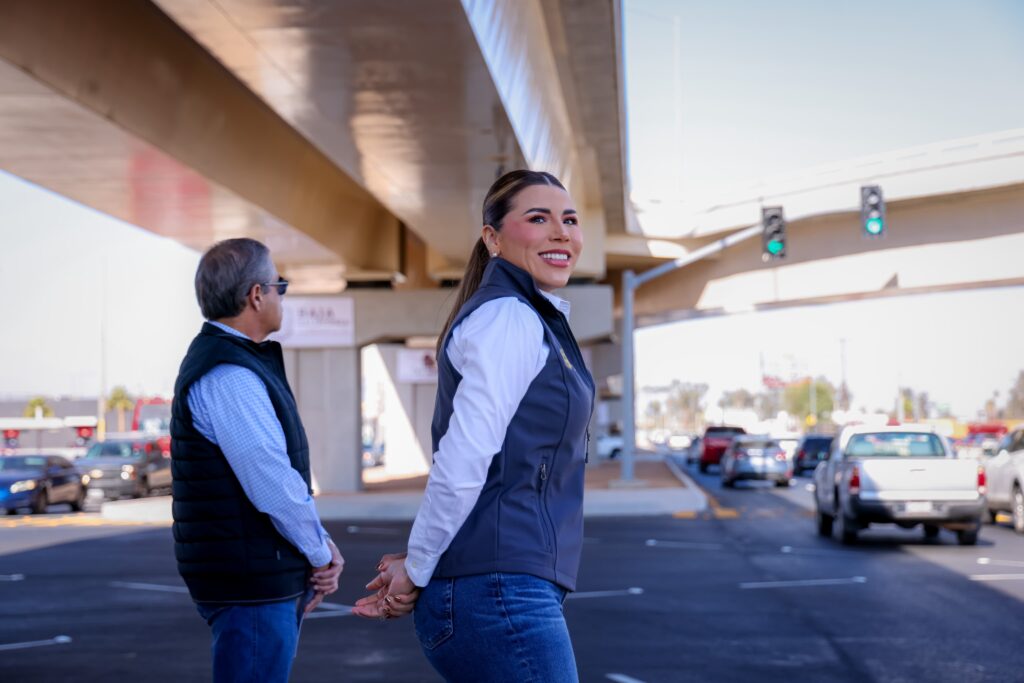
<point x="874" y="226"/>
<point x="775" y="247"/>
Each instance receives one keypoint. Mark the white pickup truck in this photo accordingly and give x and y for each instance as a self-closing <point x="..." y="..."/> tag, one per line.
<point x="904" y="475"/>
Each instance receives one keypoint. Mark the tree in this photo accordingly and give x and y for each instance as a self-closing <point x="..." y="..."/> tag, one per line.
<point x="737" y="398"/>
<point x="797" y="398"/>
<point x="684" y="402"/>
<point x="1015" y="399"/>
<point x="37" y="402"/>
<point x="120" y="401"/>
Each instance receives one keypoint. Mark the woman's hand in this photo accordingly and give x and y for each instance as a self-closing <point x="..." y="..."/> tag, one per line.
<point x="394" y="594"/>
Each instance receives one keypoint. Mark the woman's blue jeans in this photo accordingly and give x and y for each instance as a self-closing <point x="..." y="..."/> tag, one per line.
<point x="492" y="628"/>
<point x="254" y="643"/>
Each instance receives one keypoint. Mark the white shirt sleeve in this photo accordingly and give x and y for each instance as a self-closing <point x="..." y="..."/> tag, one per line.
<point x="499" y="350"/>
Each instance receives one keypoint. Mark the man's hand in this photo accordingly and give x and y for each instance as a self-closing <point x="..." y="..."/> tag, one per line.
<point x="325" y="578"/>
<point x="394" y="593"/>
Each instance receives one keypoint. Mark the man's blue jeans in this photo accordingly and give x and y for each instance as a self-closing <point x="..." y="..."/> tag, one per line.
<point x="495" y="628"/>
<point x="254" y="642"/>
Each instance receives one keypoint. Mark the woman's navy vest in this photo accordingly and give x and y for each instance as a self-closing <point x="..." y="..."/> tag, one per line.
<point x="529" y="517"/>
<point x="227" y="550"/>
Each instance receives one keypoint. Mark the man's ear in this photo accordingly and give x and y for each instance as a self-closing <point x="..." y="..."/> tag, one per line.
<point x="256" y="297"/>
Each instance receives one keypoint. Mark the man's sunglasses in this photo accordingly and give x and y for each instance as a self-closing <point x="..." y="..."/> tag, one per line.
<point x="282" y="286"/>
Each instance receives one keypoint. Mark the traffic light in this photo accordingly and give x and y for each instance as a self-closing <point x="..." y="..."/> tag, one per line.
<point x="773" y="239"/>
<point x="872" y="210"/>
<point x="11" y="438"/>
<point x="84" y="434"/>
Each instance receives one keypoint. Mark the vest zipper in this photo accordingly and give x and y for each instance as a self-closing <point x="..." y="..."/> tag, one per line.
<point x="543" y="473"/>
<point x="586" y="453"/>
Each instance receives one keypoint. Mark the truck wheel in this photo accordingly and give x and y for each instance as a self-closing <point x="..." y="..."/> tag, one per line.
<point x="79" y="502"/>
<point x="824" y="524"/>
<point x="1018" y="510"/>
<point x="846" y="529"/>
<point x="782" y="483"/>
<point x="728" y="483"/>
<point x="967" y="536"/>
<point x="931" y="531"/>
<point x="40" y="504"/>
<point x="703" y="467"/>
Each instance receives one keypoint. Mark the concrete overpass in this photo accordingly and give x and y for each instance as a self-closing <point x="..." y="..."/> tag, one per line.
<point x="357" y="139"/>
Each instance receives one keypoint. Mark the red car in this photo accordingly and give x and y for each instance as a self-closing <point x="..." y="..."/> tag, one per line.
<point x="716" y="440"/>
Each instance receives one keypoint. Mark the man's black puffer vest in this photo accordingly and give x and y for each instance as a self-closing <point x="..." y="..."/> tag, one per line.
<point x="227" y="550"/>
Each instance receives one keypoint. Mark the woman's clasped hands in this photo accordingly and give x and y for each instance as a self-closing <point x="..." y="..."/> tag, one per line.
<point x="394" y="594"/>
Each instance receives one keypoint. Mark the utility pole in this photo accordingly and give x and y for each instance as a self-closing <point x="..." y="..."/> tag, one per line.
<point x="630" y="282"/>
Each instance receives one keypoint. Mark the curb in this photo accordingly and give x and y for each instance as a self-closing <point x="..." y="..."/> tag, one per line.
<point x="687" y="481"/>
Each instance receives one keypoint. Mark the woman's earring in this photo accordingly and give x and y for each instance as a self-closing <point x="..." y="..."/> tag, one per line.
<point x="494" y="254"/>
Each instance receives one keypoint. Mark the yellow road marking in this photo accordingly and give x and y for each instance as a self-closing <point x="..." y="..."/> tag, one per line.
<point x="51" y="521"/>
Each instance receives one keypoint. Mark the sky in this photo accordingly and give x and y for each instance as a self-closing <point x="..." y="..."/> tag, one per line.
<point x="718" y="94"/>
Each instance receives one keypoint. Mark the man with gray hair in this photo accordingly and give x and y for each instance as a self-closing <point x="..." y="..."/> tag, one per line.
<point x="247" y="537"/>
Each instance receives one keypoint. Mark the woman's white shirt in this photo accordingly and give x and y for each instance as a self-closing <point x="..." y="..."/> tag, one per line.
<point x="499" y="349"/>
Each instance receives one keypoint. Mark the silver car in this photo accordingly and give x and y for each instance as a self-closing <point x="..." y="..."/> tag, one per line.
<point x="755" y="457"/>
<point x="1004" y="474"/>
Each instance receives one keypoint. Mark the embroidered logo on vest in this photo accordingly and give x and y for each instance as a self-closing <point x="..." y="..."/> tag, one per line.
<point x="565" y="358"/>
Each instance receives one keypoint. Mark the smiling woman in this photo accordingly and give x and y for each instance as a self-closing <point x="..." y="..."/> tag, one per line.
<point x="496" y="543"/>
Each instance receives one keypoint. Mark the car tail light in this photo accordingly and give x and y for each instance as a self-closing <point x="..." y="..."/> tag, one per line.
<point x="780" y="456"/>
<point x="982" y="481"/>
<point x="741" y="454"/>
<point x="854" y="481"/>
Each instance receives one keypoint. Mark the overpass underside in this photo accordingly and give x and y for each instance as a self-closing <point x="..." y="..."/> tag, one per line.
<point x="959" y="241"/>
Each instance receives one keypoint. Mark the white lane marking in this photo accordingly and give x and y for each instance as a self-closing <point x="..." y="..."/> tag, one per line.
<point x="786" y="549"/>
<point x="371" y="530"/>
<point x="622" y="678"/>
<point x="1002" y="563"/>
<point x="149" y="587"/>
<point x="330" y="610"/>
<point x="12" y="577"/>
<point x="655" y="543"/>
<point x="996" y="577"/>
<point x="801" y="583"/>
<point x="56" y="640"/>
<point x="605" y="594"/>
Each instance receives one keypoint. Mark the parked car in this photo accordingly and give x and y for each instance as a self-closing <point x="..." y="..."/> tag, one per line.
<point x="127" y="467"/>
<point x="904" y="475"/>
<point x="1004" y="474"/>
<point x="36" y="481"/>
<point x="716" y="440"/>
<point x="755" y="457"/>
<point x="679" y="442"/>
<point x="608" y="446"/>
<point x="811" y="450"/>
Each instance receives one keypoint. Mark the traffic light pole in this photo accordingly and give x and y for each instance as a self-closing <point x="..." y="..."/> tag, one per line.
<point x="630" y="282"/>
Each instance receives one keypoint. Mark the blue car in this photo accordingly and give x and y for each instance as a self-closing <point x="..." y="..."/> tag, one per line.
<point x="37" y="481"/>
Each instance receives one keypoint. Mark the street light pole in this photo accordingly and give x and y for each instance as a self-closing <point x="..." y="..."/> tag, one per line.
<point x="630" y="282"/>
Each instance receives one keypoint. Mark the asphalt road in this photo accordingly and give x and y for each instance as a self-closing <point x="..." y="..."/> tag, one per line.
<point x="745" y="592"/>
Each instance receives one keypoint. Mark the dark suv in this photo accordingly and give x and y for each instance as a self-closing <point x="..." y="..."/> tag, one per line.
<point x="716" y="440"/>
<point x="811" y="450"/>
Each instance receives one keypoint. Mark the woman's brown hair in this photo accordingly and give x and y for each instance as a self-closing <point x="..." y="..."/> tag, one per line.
<point x="497" y="204"/>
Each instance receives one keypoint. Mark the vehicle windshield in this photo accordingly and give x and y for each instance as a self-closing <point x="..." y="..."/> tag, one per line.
<point x="114" y="449"/>
<point x="22" y="462"/>
<point x="895" y="445"/>
<point x="719" y="432"/>
<point x="817" y="445"/>
<point x="757" y="443"/>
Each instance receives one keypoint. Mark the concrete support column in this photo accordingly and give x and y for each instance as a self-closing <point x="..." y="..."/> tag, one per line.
<point x="327" y="387"/>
